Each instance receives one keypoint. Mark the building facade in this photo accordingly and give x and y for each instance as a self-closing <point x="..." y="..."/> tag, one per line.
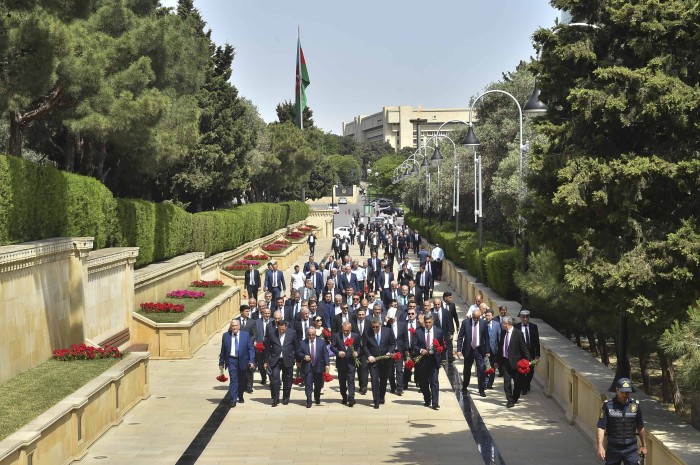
<point x="393" y="125"/>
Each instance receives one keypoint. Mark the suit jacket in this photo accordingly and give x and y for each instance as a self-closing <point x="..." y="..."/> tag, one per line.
<point x="280" y="279"/>
<point x="371" y="263"/>
<point x="494" y="335"/>
<point x="352" y="282"/>
<point x="256" y="277"/>
<point x="409" y="340"/>
<point x="401" y="329"/>
<point x="320" y="282"/>
<point x="387" y="342"/>
<point x="337" y="326"/>
<point x="246" y="353"/>
<point x="260" y="333"/>
<point x="446" y="326"/>
<point x="517" y="349"/>
<point x="534" y="346"/>
<point x="382" y="279"/>
<point x="289" y="307"/>
<point x="420" y="343"/>
<point x="365" y="327"/>
<point x="299" y="328"/>
<point x="335" y="243"/>
<point x="428" y="280"/>
<point x="307" y="266"/>
<point x="338" y="345"/>
<point x="288" y="350"/>
<point x="322" y="359"/>
<point x="249" y="326"/>
<point x="464" y="339"/>
<point x="453" y="315"/>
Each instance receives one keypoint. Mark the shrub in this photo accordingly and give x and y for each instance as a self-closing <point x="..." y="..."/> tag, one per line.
<point x="500" y="267"/>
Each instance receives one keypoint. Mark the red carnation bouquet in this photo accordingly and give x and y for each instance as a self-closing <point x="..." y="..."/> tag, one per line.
<point x="326" y="334"/>
<point x="412" y="331"/>
<point x="259" y="346"/>
<point x="222" y="377"/>
<point x="489" y="369"/>
<point x="409" y="364"/>
<point x="437" y="347"/>
<point x="327" y="377"/>
<point x="524" y="366"/>
<point x="349" y="342"/>
<point x="297" y="381"/>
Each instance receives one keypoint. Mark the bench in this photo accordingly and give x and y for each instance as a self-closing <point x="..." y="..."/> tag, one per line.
<point x="121" y="338"/>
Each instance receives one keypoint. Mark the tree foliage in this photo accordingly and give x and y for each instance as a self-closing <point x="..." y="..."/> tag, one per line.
<point x="286" y="114"/>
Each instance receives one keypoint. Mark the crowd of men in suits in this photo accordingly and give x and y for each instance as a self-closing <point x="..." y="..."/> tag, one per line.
<point x="370" y="314"/>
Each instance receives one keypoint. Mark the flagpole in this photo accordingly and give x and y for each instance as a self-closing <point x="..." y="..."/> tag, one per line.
<point x="300" y="84"/>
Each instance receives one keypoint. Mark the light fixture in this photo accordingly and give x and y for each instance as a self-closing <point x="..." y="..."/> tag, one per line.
<point x="437" y="156"/>
<point x="470" y="140"/>
<point x="533" y="106"/>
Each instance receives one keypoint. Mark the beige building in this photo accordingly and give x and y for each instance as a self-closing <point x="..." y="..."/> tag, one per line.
<point x="393" y="125"/>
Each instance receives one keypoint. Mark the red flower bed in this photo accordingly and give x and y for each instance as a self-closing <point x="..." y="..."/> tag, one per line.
<point x="295" y="235"/>
<point x="162" y="307"/>
<point x="276" y="246"/>
<point x="242" y="265"/>
<point x="305" y="228"/>
<point x="260" y="257"/>
<point x="215" y="283"/>
<point x="84" y="352"/>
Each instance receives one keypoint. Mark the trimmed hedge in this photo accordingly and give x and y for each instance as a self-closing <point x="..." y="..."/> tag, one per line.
<point x="494" y="265"/>
<point x="38" y="202"/>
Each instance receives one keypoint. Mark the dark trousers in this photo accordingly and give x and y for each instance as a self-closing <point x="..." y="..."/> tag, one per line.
<point x="346" y="377"/>
<point x="438" y="269"/>
<point x="236" y="378"/>
<point x="312" y="247"/>
<point x="449" y="345"/>
<point x="511" y="374"/>
<point x="252" y="291"/>
<point x="490" y="378"/>
<point x="276" y="291"/>
<point x="352" y="239"/>
<point x="362" y="247"/>
<point x="363" y="373"/>
<point x="527" y="379"/>
<point x="474" y="355"/>
<point x="314" y="383"/>
<point x="249" y="379"/>
<point x="396" y="375"/>
<point x="427" y="373"/>
<point x="280" y="374"/>
<point x="379" y="371"/>
<point x="621" y="454"/>
<point x="261" y="366"/>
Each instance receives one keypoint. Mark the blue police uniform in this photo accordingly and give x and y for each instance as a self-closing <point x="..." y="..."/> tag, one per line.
<point x="621" y="423"/>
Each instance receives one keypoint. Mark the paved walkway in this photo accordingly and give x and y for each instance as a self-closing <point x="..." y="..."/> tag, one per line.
<point x="187" y="420"/>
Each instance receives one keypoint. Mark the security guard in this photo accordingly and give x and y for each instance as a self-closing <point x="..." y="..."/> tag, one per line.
<point x="621" y="417"/>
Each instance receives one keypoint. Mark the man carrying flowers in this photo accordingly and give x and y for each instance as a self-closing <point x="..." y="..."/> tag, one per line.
<point x="429" y="349"/>
<point x="346" y="347"/>
<point x="237" y="355"/>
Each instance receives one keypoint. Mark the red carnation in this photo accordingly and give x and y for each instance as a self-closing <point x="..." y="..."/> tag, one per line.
<point x="409" y="364"/>
<point x="259" y="346"/>
<point x="397" y="356"/>
<point x="349" y="342"/>
<point x="412" y="331"/>
<point x="326" y="333"/>
<point x="222" y="377"/>
<point x="489" y="371"/>
<point x="438" y="347"/>
<point x="327" y="377"/>
<point x="297" y="381"/>
<point x="524" y="366"/>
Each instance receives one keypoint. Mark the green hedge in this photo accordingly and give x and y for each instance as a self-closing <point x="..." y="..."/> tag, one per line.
<point x="38" y="202"/>
<point x="494" y="265"/>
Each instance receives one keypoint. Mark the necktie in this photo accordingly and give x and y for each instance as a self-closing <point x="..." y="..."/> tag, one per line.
<point x="505" y="350"/>
<point x="427" y="340"/>
<point x="377" y="339"/>
<point x="313" y="353"/>
<point x="362" y="325"/>
<point x="243" y="323"/>
<point x="474" y="336"/>
<point x="264" y="328"/>
<point x="235" y="346"/>
<point x="422" y="279"/>
<point x="274" y="279"/>
<point x="305" y="327"/>
<point x="527" y="335"/>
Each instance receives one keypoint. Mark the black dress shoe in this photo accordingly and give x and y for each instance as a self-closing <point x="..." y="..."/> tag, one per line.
<point x="233" y="404"/>
<point x="381" y="401"/>
<point x="436" y="406"/>
<point x="363" y="391"/>
<point x="523" y="392"/>
<point x="263" y="382"/>
<point x="376" y="405"/>
<point x="240" y="399"/>
<point x="275" y="403"/>
<point x="344" y="402"/>
<point x="482" y="393"/>
<point x="399" y="393"/>
<point x="351" y="403"/>
<point x="509" y="405"/>
<point x="393" y="390"/>
<point x="426" y="404"/>
<point x="308" y="405"/>
<point x="285" y="401"/>
<point x="318" y="401"/>
<point x="249" y="391"/>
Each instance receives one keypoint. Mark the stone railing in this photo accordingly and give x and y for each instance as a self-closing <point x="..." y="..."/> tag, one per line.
<point x="64" y="432"/>
<point x="578" y="383"/>
<point x="184" y="338"/>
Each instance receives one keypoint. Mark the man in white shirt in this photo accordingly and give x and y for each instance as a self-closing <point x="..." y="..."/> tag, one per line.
<point x="438" y="256"/>
<point x="298" y="279"/>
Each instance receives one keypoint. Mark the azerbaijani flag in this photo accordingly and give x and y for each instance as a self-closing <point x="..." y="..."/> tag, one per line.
<point x="302" y="83"/>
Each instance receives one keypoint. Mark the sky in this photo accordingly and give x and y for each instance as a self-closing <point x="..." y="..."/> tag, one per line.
<point x="363" y="55"/>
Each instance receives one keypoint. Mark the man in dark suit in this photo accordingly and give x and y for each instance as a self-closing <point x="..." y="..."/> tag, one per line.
<point x="473" y="343"/>
<point x="237" y="356"/>
<point x="362" y="241"/>
<point x="532" y="339"/>
<point x="252" y="282"/>
<point x="443" y="320"/>
<point x="348" y="279"/>
<point x="313" y="355"/>
<point x="424" y="283"/>
<point x="511" y="350"/>
<point x="335" y="244"/>
<point x="416" y="239"/>
<point x="374" y="269"/>
<point x="292" y="307"/>
<point x="263" y="328"/>
<point x="409" y="339"/>
<point x="274" y="281"/>
<point x="317" y="281"/>
<point x="398" y="329"/>
<point x="283" y="348"/>
<point x="385" y="279"/>
<point x="452" y="308"/>
<point x="309" y="264"/>
<point x="303" y="323"/>
<point x="428" y="368"/>
<point x="248" y="325"/>
<point x="341" y="318"/>
<point x="360" y="327"/>
<point x="380" y="341"/>
<point x="346" y="352"/>
<point x="494" y="328"/>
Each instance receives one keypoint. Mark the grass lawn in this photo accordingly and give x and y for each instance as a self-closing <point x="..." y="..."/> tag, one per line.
<point x="29" y="394"/>
<point x="191" y="305"/>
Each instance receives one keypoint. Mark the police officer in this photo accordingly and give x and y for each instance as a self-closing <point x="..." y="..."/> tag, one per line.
<point x="621" y="417"/>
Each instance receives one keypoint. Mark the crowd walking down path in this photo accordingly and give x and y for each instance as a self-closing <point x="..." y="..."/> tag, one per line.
<point x="188" y="420"/>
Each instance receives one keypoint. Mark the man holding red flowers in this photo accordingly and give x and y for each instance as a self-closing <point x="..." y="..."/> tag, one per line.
<point x="314" y="359"/>
<point x="511" y="350"/>
<point x="237" y="355"/>
<point x="346" y="347"/>
<point x="429" y="345"/>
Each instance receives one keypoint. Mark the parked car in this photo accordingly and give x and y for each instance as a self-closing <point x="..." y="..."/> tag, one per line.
<point x="342" y="201"/>
<point x="383" y="203"/>
<point x="334" y="207"/>
<point x="392" y="211"/>
<point x="342" y="231"/>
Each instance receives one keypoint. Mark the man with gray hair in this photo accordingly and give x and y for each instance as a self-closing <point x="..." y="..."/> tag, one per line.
<point x="378" y="342"/>
<point x="433" y="357"/>
<point x="510" y="352"/>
